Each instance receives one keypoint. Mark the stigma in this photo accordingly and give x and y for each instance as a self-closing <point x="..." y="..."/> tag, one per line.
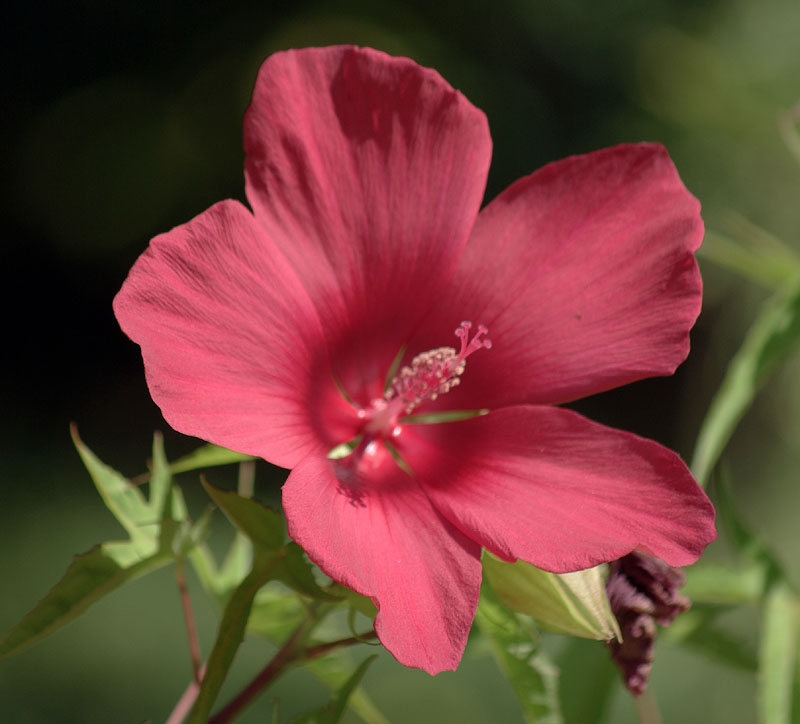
<point x="430" y="374"/>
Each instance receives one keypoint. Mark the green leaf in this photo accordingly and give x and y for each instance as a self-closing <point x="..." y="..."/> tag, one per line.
<point x="590" y="683"/>
<point x="190" y="536"/>
<point x="230" y="635"/>
<point x="773" y="268"/>
<point x="749" y="546"/>
<point x="714" y="583"/>
<point x="780" y="627"/>
<point x="125" y="501"/>
<point x="333" y="672"/>
<point x="771" y="338"/>
<point x="160" y="501"/>
<point x="208" y="456"/>
<point x="264" y="527"/>
<point x="90" y="577"/>
<point x="571" y="603"/>
<point x="275" y="614"/>
<point x="696" y="630"/>
<point x="296" y="571"/>
<point x="532" y="675"/>
<point x="357" y="602"/>
<point x="334" y="711"/>
<point x="152" y="526"/>
<point x="787" y="125"/>
<point x="238" y="561"/>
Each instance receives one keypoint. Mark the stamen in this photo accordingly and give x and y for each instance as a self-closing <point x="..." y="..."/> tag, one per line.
<point x="435" y="372"/>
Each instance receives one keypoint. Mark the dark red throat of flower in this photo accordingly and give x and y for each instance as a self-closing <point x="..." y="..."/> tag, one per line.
<point x="429" y="375"/>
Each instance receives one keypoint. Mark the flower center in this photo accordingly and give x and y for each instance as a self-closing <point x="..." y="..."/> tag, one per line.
<point x="429" y="375"/>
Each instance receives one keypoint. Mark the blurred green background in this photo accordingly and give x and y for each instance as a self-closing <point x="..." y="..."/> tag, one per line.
<point x="124" y="119"/>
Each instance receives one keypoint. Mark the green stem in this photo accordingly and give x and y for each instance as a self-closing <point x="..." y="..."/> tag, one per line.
<point x="787" y="125"/>
<point x="247" y="477"/>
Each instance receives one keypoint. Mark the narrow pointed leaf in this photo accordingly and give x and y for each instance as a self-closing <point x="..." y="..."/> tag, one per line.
<point x="208" y="456"/>
<point x="153" y="526"/>
<point x="124" y="500"/>
<point x="275" y="614"/>
<point x="91" y="576"/>
<point x="238" y="561"/>
<point x="334" y="711"/>
<point x="571" y="603"/>
<point x="160" y="483"/>
<point x="332" y="671"/>
<point x="532" y="675"/>
<point x="230" y="635"/>
<point x="264" y="527"/>
<point x="771" y="268"/>
<point x="748" y="545"/>
<point x="696" y="629"/>
<point x="771" y="338"/>
<point x="296" y="571"/>
<point x="591" y="681"/>
<point x="357" y="602"/>
<point x="190" y="535"/>
<point x="714" y="583"/>
<point x="199" y="554"/>
<point x="780" y="627"/>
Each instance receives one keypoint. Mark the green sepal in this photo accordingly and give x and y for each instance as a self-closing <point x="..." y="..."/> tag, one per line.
<point x="333" y="712"/>
<point x="569" y="603"/>
<point x="515" y="644"/>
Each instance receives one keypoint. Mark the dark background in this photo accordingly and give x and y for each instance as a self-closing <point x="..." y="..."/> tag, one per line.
<point x="122" y="120"/>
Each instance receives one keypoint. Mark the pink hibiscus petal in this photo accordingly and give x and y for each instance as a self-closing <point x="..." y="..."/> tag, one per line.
<point x="234" y="351"/>
<point x="546" y="485"/>
<point x="368" y="171"/>
<point x="585" y="275"/>
<point x="376" y="532"/>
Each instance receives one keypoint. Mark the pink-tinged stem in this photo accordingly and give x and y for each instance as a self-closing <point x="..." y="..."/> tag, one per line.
<point x="186" y="702"/>
<point x="647" y="708"/>
<point x="288" y="654"/>
<point x="188" y="615"/>
<point x="314" y="652"/>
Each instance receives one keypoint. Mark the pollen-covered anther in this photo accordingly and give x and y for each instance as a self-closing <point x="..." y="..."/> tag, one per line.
<point x="437" y="371"/>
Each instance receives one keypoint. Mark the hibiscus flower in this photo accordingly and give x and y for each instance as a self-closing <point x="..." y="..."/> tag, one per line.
<point x="325" y="316"/>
